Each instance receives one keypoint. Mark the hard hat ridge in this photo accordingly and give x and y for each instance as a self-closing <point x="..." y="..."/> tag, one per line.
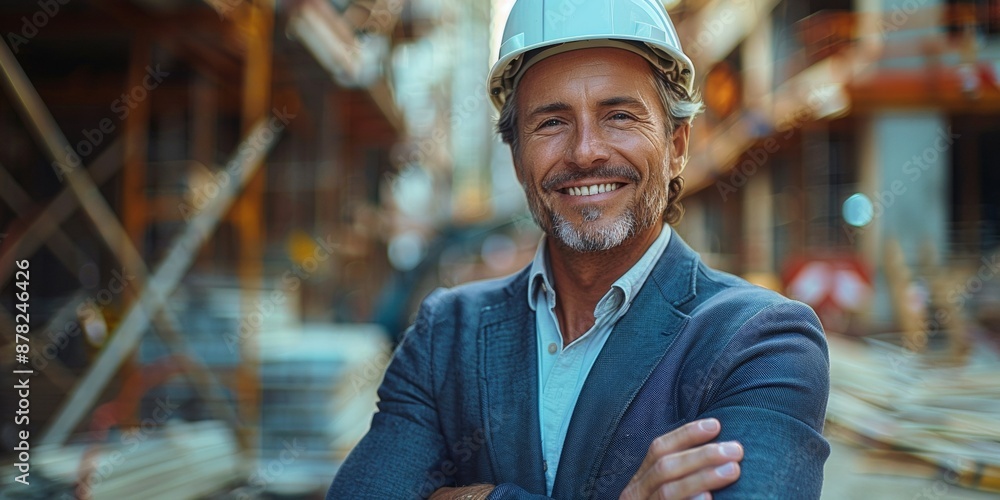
<point x="537" y="29"/>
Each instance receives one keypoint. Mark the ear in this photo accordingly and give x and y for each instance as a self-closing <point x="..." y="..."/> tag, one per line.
<point x="679" y="141"/>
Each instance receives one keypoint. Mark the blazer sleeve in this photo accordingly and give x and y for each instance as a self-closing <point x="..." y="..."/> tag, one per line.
<point x="769" y="388"/>
<point x="404" y="454"/>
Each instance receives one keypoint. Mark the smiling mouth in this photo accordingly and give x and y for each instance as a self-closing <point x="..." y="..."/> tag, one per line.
<point x="592" y="190"/>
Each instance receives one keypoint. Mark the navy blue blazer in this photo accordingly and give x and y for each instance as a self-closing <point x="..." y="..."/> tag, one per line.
<point x="459" y="402"/>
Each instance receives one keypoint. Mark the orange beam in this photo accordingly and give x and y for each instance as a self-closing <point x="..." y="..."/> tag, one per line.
<point x="136" y="141"/>
<point x="256" y="22"/>
<point x="921" y="88"/>
<point x="134" y="212"/>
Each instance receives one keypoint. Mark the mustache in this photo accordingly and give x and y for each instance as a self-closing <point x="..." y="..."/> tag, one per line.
<point x="604" y="171"/>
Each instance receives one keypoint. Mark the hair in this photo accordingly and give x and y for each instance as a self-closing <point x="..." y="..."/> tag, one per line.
<point x="680" y="107"/>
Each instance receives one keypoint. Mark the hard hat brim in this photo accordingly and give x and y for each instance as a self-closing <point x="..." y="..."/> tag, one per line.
<point x="507" y="72"/>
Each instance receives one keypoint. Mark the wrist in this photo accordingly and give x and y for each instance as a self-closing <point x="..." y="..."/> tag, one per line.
<point x="473" y="492"/>
<point x="477" y="492"/>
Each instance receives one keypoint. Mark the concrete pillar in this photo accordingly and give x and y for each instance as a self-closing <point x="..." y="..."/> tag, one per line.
<point x="471" y="127"/>
<point x="758" y="223"/>
<point x="911" y="198"/>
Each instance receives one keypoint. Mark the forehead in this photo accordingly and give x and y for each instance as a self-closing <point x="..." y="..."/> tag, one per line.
<point x="588" y="75"/>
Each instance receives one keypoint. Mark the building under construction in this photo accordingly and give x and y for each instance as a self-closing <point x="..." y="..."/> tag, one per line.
<point x="230" y="209"/>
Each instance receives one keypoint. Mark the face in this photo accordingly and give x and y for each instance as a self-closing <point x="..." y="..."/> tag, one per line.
<point x="595" y="155"/>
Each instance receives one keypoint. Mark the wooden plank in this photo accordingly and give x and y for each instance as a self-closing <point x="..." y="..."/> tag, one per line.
<point x="176" y="460"/>
<point x="898" y="403"/>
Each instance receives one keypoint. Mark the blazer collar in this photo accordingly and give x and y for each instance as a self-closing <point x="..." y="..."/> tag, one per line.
<point x="508" y="381"/>
<point x="637" y="343"/>
<point x="676" y="274"/>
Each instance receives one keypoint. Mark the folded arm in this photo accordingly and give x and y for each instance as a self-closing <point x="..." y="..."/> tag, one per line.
<point x="403" y="455"/>
<point x="769" y="388"/>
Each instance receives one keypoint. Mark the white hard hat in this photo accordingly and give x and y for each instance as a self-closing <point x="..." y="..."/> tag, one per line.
<point x="543" y="28"/>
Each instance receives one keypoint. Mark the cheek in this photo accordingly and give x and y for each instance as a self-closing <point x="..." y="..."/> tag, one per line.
<point x="523" y="171"/>
<point x="533" y="162"/>
<point x="646" y="144"/>
<point x="652" y="158"/>
<point x="518" y="170"/>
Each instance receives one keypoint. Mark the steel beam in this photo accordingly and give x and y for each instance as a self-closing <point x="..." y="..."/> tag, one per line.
<point x="167" y="326"/>
<point x="59" y="243"/>
<point x="111" y="231"/>
<point x="163" y="282"/>
<point x="46" y="222"/>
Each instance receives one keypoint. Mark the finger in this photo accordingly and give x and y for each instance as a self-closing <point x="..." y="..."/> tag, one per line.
<point x="676" y="467"/>
<point x="701" y="483"/>
<point x="682" y="438"/>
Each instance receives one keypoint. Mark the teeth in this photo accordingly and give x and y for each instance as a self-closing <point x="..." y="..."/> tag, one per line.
<point x="592" y="190"/>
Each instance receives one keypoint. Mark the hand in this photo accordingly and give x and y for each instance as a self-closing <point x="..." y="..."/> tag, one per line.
<point x="477" y="492"/>
<point x="680" y="465"/>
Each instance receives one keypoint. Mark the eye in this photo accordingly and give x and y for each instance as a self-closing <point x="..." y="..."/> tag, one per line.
<point x="551" y="122"/>
<point x="621" y="116"/>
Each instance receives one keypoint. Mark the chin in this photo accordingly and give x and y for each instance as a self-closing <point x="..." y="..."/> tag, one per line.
<point x="590" y="238"/>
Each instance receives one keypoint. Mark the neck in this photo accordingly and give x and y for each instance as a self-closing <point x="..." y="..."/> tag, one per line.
<point x="581" y="279"/>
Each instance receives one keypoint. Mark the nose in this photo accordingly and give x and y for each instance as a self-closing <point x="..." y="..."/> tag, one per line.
<point x="589" y="146"/>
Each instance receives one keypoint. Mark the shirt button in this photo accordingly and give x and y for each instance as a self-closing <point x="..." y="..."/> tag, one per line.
<point x="553" y="348"/>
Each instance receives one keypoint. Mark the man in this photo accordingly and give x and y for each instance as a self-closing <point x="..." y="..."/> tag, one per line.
<point x="616" y="364"/>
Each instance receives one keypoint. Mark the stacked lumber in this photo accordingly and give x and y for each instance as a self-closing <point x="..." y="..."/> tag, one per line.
<point x="916" y="413"/>
<point x="177" y="461"/>
<point x="318" y="386"/>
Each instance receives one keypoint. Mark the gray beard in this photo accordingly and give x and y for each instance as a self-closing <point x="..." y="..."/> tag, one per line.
<point x="642" y="214"/>
<point x="597" y="239"/>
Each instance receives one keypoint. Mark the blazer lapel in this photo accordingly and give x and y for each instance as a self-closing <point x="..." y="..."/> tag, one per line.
<point x="636" y="345"/>
<point x="509" y="384"/>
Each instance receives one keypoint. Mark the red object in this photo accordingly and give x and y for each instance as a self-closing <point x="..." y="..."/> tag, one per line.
<point x="841" y="284"/>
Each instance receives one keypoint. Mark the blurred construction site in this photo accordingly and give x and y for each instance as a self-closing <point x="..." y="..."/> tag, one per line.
<point x="223" y="214"/>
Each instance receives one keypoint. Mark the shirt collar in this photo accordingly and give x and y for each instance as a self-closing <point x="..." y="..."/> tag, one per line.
<point x="538" y="276"/>
<point x="628" y="285"/>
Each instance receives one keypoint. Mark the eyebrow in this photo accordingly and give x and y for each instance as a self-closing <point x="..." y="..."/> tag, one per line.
<point x="548" y="108"/>
<point x="605" y="103"/>
<point x="621" y="100"/>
